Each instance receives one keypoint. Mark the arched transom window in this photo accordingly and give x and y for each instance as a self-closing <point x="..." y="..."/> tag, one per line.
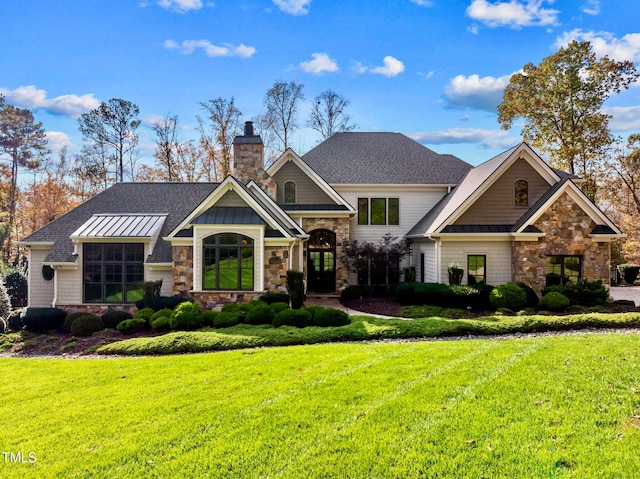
<point x="227" y="262"/>
<point x="522" y="193"/>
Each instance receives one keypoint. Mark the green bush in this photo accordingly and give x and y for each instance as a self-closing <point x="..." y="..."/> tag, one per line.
<point x="532" y="297"/>
<point x="208" y="317"/>
<point x="295" y="287"/>
<point x="629" y="272"/>
<point x="161" y="323"/>
<point x="260" y="315"/>
<point x="5" y="302"/>
<point x="86" y="325"/>
<point x="132" y="326"/>
<point x="509" y="296"/>
<point x="69" y="319"/>
<point x="17" y="289"/>
<point x="300" y="318"/>
<point x="271" y="298"/>
<point x="14" y="321"/>
<point x="484" y="303"/>
<point x="329" y="317"/>
<point x="171" y="302"/>
<point x="351" y="292"/>
<point x="144" y="313"/>
<point x="230" y="308"/>
<point x="277" y="307"/>
<point x="405" y="293"/>
<point x="187" y="317"/>
<point x="435" y="294"/>
<point x="554" y="301"/>
<point x="464" y="296"/>
<point x="113" y="317"/>
<point x="455" y="274"/>
<point x="43" y="319"/>
<point x="583" y="293"/>
<point x="226" y="319"/>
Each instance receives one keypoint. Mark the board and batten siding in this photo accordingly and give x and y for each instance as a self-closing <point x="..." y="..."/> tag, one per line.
<point x="498" y="263"/>
<point x="414" y="204"/>
<point x="307" y="191"/>
<point x="497" y="205"/>
<point x="40" y="293"/>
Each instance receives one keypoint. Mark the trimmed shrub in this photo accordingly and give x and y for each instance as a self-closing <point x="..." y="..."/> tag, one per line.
<point x="5" y="302"/>
<point x="532" y="297"/>
<point x="464" y="296"/>
<point x="43" y="319"/>
<point x="144" y="313"/>
<point x="151" y="294"/>
<point x="271" y="298"/>
<point x="260" y="315"/>
<point x="161" y="323"/>
<point x="171" y="302"/>
<point x="435" y="294"/>
<point x="17" y="289"/>
<point x="554" y="301"/>
<point x="14" y="321"/>
<point x="455" y="274"/>
<point x="68" y="321"/>
<point x="230" y="308"/>
<point x="277" y="307"/>
<point x="299" y="318"/>
<point x="86" y="325"/>
<point x="295" y="287"/>
<point x="583" y="293"/>
<point x="113" y="317"/>
<point x="351" y="292"/>
<point x="484" y="303"/>
<point x="509" y="296"/>
<point x="209" y="316"/>
<point x="187" y="317"/>
<point x="405" y="292"/>
<point x="132" y="326"/>
<point x="329" y="317"/>
<point x="629" y="272"/>
<point x="226" y="319"/>
<point x="313" y="310"/>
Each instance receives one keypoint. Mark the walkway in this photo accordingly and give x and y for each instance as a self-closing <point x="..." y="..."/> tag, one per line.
<point x="631" y="293"/>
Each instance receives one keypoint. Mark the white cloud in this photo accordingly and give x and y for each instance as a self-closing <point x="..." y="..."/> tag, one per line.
<point x="358" y="68"/>
<point x="36" y="99"/>
<point x="514" y="13"/>
<point x="293" y="7"/>
<point x="592" y="7"/>
<point x="187" y="47"/>
<point x="391" y="67"/>
<point x="605" y="43"/>
<point x="423" y="3"/>
<point x="475" y="92"/>
<point x="56" y="140"/>
<point x="495" y="139"/>
<point x="624" y="118"/>
<point x="180" y="6"/>
<point x="320" y="63"/>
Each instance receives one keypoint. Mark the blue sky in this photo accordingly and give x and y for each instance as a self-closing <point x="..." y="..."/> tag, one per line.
<point x="431" y="69"/>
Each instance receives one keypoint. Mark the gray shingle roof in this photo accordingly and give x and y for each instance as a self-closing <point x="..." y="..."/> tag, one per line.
<point x="176" y="200"/>
<point x="382" y="158"/>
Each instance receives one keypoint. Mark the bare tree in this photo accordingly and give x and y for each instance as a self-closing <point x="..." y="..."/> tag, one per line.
<point x="282" y="101"/>
<point x="113" y="125"/>
<point x="166" y="142"/>
<point x="224" y="117"/>
<point x="328" y="114"/>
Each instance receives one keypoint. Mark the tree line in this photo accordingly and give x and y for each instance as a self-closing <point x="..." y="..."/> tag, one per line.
<point x="558" y="104"/>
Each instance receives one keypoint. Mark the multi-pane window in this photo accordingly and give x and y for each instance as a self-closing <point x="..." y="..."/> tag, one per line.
<point x="521" y="188"/>
<point x="228" y="260"/>
<point x="378" y="211"/>
<point x="289" y="192"/>
<point x="563" y="269"/>
<point x="476" y="269"/>
<point x="113" y="272"/>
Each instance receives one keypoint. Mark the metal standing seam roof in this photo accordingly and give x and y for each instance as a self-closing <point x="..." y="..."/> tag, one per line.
<point x="230" y="215"/>
<point x="121" y="226"/>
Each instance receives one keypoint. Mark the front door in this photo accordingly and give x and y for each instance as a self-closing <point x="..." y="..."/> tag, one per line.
<point x="321" y="262"/>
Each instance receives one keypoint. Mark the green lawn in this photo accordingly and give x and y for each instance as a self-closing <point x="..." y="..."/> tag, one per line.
<point x="562" y="406"/>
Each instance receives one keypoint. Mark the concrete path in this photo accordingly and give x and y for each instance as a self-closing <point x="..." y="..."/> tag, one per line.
<point x="631" y="293"/>
<point x="335" y="304"/>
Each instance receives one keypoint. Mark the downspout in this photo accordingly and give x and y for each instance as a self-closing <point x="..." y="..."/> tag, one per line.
<point x="55" y="287"/>
<point x="438" y="261"/>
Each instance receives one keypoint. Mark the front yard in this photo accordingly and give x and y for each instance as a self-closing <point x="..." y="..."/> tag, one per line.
<point x="564" y="406"/>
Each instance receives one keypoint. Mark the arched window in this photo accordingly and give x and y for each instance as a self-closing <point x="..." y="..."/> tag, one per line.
<point x="289" y="192"/>
<point x="522" y="193"/>
<point x="227" y="262"/>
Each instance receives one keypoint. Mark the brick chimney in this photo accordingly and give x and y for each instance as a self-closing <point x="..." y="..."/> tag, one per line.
<point x="248" y="160"/>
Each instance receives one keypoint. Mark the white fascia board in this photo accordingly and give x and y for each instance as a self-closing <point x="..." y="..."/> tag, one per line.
<point x="61" y="265"/>
<point x="472" y="237"/>
<point x="390" y="186"/>
<point x="179" y="241"/>
<point x="275" y="209"/>
<point x="606" y="238"/>
<point x="36" y="244"/>
<point x="280" y="241"/>
<point x="322" y="214"/>
<point x="159" y="266"/>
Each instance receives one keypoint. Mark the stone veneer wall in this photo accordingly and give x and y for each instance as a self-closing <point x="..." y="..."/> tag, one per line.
<point x="340" y="226"/>
<point x="567" y="229"/>
<point x="182" y="257"/>
<point x="275" y="268"/>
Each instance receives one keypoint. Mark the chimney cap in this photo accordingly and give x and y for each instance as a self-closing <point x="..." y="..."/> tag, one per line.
<point x="248" y="128"/>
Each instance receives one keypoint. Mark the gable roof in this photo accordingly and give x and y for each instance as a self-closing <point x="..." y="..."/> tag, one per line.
<point x="382" y="158"/>
<point x="174" y="200"/>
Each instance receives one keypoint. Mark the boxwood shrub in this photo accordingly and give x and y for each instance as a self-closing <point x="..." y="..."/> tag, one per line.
<point x="629" y="272"/>
<point x="86" y="325"/>
<point x="113" y="317"/>
<point x="271" y="298"/>
<point x="352" y="292"/>
<point x="554" y="301"/>
<point x="532" y="297"/>
<point x="226" y="319"/>
<point x="509" y="296"/>
<point x="131" y="326"/>
<point x="187" y="317"/>
<point x="161" y="323"/>
<point x="208" y="317"/>
<point x="328" y="317"/>
<point x="43" y="319"/>
<point x="144" y="313"/>
<point x="277" y="307"/>
<point x="300" y="318"/>
<point x="262" y="314"/>
<point x="68" y="321"/>
<point x="583" y="293"/>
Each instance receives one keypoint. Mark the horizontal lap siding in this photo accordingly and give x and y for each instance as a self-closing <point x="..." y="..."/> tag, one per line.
<point x="428" y="248"/>
<point x="40" y="291"/>
<point x="307" y="191"/>
<point x="498" y="255"/>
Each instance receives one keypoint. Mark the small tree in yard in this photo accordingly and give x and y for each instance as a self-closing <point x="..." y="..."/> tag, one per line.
<point x="295" y="287"/>
<point x="377" y="263"/>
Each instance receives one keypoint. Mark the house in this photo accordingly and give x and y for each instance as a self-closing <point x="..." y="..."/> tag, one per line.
<point x="513" y="218"/>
